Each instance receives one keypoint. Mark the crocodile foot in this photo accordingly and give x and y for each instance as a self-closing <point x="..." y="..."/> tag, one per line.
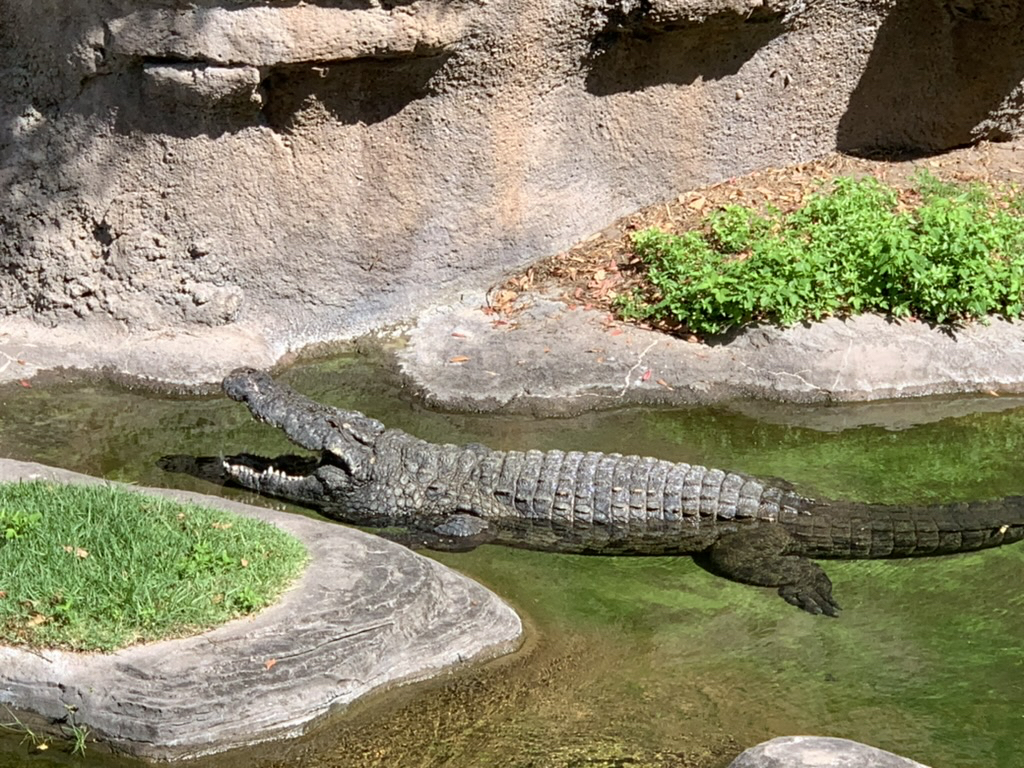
<point x="756" y="556"/>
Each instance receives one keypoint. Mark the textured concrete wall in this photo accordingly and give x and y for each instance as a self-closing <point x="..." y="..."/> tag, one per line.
<point x="315" y="170"/>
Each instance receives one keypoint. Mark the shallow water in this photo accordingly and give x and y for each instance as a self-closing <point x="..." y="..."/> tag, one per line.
<point x="644" y="661"/>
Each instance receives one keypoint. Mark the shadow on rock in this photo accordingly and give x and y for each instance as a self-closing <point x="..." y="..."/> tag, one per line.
<point x="636" y="50"/>
<point x="939" y="76"/>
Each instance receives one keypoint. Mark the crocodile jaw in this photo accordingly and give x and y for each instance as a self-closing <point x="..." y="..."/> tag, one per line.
<point x="347" y="436"/>
<point x="291" y="478"/>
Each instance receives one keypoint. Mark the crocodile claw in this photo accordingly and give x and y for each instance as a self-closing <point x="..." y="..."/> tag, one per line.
<point x="812" y="598"/>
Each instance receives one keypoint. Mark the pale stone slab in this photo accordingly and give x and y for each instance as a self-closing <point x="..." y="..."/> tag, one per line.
<point x="819" y="752"/>
<point x="550" y="359"/>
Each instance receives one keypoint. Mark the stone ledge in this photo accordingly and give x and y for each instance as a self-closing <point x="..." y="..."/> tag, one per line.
<point x="550" y="360"/>
<point x="367" y="614"/>
<point x="263" y="37"/>
<point x="192" y="359"/>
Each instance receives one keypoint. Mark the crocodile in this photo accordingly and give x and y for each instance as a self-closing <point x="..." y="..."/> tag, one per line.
<point x="456" y="497"/>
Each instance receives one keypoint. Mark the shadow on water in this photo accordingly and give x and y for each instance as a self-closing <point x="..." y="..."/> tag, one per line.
<point x="641" y="661"/>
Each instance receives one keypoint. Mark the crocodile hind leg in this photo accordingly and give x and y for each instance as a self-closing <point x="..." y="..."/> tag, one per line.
<point x="756" y="555"/>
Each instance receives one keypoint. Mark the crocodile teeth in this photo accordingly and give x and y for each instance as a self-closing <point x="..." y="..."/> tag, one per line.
<point x="249" y="475"/>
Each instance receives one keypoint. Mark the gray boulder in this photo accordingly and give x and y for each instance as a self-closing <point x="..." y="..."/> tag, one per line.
<point x="819" y="752"/>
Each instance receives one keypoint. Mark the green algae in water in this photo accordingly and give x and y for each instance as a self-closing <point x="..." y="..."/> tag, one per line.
<point x="925" y="659"/>
<point x="648" y="661"/>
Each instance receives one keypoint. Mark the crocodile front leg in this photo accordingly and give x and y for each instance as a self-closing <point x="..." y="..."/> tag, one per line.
<point x="756" y="555"/>
<point x="458" y="533"/>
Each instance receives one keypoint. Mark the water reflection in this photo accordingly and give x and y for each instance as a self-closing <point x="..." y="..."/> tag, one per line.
<point x="641" y="661"/>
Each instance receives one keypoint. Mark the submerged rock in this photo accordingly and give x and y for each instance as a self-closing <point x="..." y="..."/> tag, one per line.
<point x="819" y="752"/>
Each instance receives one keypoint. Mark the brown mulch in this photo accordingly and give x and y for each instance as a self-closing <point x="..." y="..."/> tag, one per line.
<point x="594" y="272"/>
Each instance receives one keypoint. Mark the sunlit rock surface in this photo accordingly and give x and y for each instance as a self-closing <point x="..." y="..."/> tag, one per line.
<point x="310" y="171"/>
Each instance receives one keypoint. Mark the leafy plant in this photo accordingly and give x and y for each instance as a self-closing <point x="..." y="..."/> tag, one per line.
<point x="948" y="254"/>
<point x="15" y="523"/>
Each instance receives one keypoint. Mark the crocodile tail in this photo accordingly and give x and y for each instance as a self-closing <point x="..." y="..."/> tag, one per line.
<point x="853" y="530"/>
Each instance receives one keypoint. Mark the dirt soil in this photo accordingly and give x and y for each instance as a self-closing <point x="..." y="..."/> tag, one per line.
<point x="594" y="272"/>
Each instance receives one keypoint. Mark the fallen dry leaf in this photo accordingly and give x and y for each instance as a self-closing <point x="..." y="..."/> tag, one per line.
<point x="646" y="376"/>
<point x="458" y="359"/>
<point x="245" y="563"/>
<point x="505" y="297"/>
<point x="665" y="384"/>
<point x="35" y="620"/>
<point x="77" y="551"/>
<point x="269" y="663"/>
<point x="26" y="383"/>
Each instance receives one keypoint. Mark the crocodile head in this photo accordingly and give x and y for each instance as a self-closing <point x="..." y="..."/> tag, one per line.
<point x="342" y="442"/>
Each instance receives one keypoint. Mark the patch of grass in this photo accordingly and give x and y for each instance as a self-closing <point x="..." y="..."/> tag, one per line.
<point x="27" y="734"/>
<point x="941" y="252"/>
<point x="76" y="734"/>
<point x="90" y="568"/>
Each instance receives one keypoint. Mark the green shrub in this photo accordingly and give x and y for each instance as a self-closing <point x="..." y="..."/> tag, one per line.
<point x="851" y="248"/>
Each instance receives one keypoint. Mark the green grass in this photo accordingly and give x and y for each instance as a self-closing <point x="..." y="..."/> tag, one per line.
<point x="95" y="568"/>
<point x="943" y="253"/>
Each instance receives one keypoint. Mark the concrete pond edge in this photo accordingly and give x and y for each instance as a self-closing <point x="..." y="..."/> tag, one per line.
<point x="367" y="614"/>
<point x="550" y="360"/>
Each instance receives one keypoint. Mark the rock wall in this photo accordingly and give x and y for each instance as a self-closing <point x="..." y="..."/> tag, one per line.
<point x="316" y="170"/>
